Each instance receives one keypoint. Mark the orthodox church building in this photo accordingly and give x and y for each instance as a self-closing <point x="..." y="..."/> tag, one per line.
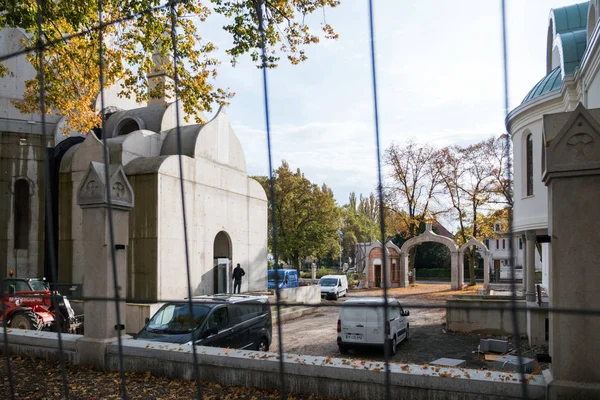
<point x="226" y="210"/>
<point x="571" y="78"/>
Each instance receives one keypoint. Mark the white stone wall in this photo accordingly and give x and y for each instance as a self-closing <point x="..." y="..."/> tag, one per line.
<point x="530" y="212"/>
<point x="217" y="199"/>
<point x="12" y="87"/>
<point x="593" y="94"/>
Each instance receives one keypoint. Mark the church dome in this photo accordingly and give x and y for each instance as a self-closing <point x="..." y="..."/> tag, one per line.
<point x="552" y="81"/>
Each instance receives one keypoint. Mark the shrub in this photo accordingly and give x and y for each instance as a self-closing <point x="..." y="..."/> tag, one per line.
<point x="321" y="272"/>
<point x="433" y="273"/>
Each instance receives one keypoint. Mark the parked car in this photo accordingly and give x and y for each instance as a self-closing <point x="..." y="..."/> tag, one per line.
<point x="334" y="286"/>
<point x="223" y="320"/>
<point x="361" y="324"/>
<point x="286" y="278"/>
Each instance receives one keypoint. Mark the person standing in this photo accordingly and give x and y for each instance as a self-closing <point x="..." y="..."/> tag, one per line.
<point x="238" y="272"/>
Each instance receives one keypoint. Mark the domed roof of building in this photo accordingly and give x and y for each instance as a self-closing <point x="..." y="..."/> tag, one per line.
<point x="567" y="41"/>
<point x="570" y="18"/>
<point x="552" y="81"/>
<point x="573" y="47"/>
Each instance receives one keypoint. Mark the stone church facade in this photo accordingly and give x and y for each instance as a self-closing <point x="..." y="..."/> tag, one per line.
<point x="226" y="210"/>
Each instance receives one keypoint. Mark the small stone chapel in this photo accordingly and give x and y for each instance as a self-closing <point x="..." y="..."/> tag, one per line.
<point x="226" y="210"/>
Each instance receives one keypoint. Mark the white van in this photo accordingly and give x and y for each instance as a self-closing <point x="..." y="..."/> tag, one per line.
<point x="334" y="286"/>
<point x="364" y="326"/>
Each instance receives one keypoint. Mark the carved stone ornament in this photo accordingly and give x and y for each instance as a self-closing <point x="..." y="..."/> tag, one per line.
<point x="572" y="143"/>
<point x="92" y="191"/>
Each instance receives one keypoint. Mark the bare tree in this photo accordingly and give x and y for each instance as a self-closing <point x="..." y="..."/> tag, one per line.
<point x="414" y="182"/>
<point x="499" y="152"/>
<point x="469" y="175"/>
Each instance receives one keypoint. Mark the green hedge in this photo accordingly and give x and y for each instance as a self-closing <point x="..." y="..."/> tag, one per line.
<point x="321" y="272"/>
<point x="433" y="273"/>
<point x="444" y="273"/>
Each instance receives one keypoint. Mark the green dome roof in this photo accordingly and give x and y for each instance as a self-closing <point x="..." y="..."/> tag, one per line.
<point x="551" y="82"/>
<point x="573" y="48"/>
<point x="569" y="30"/>
<point x="570" y="18"/>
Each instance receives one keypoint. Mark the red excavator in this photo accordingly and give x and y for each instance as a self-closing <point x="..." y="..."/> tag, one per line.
<point x="28" y="304"/>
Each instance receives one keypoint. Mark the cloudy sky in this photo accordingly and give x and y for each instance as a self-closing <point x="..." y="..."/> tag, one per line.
<point x="439" y="71"/>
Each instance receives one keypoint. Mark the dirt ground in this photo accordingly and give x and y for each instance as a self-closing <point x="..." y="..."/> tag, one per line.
<point x="42" y="380"/>
<point x="316" y="334"/>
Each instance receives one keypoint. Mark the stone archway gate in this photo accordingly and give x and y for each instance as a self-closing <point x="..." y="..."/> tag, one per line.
<point x="456" y="257"/>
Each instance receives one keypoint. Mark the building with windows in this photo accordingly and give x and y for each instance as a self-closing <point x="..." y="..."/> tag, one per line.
<point x="571" y="78"/>
<point x="499" y="245"/>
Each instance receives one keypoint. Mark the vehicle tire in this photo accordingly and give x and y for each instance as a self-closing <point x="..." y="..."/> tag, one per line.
<point x="263" y="345"/>
<point x="335" y="296"/>
<point x="25" y="320"/>
<point x="393" y="345"/>
<point x="343" y="349"/>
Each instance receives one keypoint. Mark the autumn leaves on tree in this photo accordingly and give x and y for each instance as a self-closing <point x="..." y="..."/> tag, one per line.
<point x="133" y="32"/>
<point x="306" y="217"/>
<point x="467" y="184"/>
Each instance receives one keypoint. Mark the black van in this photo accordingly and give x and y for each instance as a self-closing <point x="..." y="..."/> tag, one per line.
<point x="223" y="320"/>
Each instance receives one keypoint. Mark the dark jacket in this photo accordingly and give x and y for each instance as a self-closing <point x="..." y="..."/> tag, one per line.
<point x="238" y="272"/>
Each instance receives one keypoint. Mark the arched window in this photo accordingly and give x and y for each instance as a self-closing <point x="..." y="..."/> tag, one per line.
<point x="529" y="164"/>
<point x="127" y="126"/>
<point x="22" y="210"/>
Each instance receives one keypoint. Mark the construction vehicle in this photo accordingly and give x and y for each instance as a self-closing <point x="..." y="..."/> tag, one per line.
<point x="30" y="304"/>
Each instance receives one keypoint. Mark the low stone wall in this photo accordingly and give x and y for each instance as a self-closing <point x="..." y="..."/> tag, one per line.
<point x="302" y="294"/>
<point x="41" y="344"/>
<point x="308" y="281"/>
<point x="485" y="314"/>
<point x="324" y="376"/>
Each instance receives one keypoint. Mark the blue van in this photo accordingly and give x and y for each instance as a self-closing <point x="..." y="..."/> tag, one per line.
<point x="287" y="278"/>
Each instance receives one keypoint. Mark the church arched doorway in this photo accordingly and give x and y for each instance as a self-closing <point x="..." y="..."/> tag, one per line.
<point x="222" y="254"/>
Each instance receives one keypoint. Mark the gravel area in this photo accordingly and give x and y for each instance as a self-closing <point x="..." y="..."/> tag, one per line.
<point x="316" y="334"/>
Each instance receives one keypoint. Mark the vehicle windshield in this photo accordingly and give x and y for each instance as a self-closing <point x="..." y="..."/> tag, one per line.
<point x="38" y="284"/>
<point x="176" y="318"/>
<point x="328" y="282"/>
<point x="280" y="276"/>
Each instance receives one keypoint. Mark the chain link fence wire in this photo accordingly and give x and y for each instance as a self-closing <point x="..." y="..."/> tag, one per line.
<point x="40" y="45"/>
<point x="386" y="348"/>
<point x="511" y="250"/>
<point x="261" y="28"/>
<point x="173" y="34"/>
<point x="111" y="228"/>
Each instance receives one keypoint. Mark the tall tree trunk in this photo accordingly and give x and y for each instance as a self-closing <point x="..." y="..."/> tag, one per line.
<point x="412" y="253"/>
<point x="296" y="262"/>
<point x="471" y="257"/>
